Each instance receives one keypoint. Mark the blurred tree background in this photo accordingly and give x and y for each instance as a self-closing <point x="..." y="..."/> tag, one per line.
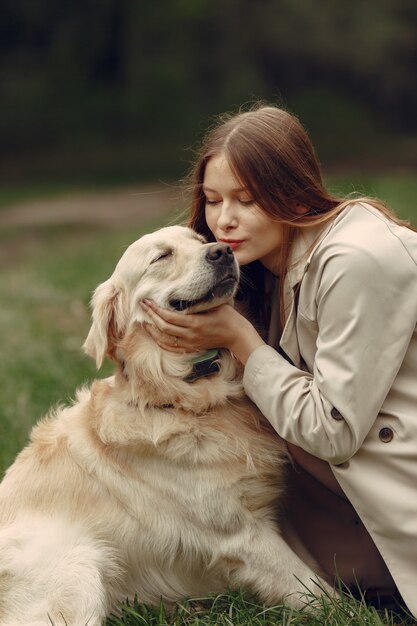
<point x="118" y="90"/>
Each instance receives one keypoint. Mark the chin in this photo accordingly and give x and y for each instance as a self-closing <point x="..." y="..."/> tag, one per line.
<point x="244" y="259"/>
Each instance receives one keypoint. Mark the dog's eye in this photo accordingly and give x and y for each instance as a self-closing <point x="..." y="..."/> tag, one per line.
<point x="162" y="255"/>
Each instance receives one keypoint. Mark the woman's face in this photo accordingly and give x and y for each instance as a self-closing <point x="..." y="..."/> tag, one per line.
<point x="234" y="217"/>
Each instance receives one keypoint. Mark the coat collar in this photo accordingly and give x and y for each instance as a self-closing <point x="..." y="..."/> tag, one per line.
<point x="304" y="247"/>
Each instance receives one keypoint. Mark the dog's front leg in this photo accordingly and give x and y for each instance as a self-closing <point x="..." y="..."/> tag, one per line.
<point x="261" y="562"/>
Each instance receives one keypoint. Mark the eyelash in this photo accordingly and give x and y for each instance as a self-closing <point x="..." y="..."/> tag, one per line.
<point x="163" y="255"/>
<point x="242" y="202"/>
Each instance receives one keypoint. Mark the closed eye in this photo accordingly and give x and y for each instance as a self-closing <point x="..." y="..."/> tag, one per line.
<point x="162" y="255"/>
<point x="246" y="201"/>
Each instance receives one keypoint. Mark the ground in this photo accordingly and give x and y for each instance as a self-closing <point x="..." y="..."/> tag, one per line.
<point x="108" y="208"/>
<point x="25" y="224"/>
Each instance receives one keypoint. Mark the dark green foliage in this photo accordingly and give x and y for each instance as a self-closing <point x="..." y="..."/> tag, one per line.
<point x="123" y="88"/>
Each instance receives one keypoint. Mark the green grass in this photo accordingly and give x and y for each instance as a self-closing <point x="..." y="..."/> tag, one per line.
<point x="397" y="190"/>
<point x="237" y="609"/>
<point x="46" y="284"/>
<point x="48" y="276"/>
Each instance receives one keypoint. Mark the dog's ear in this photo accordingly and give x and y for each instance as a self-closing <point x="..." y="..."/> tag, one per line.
<point x="109" y="321"/>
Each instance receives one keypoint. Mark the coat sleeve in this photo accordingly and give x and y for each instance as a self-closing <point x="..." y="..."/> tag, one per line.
<point x="366" y="314"/>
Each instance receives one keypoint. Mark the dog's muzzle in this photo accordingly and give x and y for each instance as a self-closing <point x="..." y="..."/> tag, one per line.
<point x="221" y="259"/>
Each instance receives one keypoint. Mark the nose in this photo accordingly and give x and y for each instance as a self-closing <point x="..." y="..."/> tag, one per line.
<point x="220" y="253"/>
<point x="226" y="218"/>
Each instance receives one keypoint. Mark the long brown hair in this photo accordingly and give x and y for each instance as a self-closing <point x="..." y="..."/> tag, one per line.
<point x="271" y="154"/>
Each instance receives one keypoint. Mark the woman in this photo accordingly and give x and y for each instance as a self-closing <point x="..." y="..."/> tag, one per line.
<point x="328" y="342"/>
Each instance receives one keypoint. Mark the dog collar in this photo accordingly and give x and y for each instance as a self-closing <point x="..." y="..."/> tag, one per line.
<point x="203" y="365"/>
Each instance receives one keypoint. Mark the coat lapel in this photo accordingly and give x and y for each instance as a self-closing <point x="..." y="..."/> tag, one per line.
<point x="289" y="337"/>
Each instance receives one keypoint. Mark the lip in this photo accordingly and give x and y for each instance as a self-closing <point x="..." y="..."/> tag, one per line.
<point x="233" y="243"/>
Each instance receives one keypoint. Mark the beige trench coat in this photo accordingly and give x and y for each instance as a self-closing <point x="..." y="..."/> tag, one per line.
<point x="350" y="396"/>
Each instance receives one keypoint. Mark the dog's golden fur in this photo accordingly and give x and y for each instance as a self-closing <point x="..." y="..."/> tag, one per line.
<point x="147" y="484"/>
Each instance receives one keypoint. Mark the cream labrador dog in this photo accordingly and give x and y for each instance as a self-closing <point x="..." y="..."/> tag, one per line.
<point x="160" y="481"/>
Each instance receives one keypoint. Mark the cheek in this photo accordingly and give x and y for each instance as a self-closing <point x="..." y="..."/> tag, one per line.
<point x="209" y="220"/>
<point x="270" y="232"/>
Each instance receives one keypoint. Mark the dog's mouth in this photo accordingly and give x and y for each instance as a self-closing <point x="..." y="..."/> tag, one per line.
<point x="224" y="289"/>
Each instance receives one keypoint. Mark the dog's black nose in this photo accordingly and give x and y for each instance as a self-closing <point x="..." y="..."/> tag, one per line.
<point x="220" y="253"/>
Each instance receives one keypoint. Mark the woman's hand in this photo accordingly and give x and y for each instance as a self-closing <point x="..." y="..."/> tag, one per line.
<point x="222" y="327"/>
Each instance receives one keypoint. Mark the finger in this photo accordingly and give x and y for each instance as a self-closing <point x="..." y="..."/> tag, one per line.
<point x="159" y="322"/>
<point x="160" y="337"/>
<point x="167" y="342"/>
<point x="171" y="317"/>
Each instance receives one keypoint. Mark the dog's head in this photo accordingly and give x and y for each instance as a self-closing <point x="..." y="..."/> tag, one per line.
<point x="175" y="268"/>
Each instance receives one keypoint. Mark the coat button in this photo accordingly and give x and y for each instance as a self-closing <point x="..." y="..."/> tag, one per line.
<point x="386" y="435"/>
<point x="336" y="415"/>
